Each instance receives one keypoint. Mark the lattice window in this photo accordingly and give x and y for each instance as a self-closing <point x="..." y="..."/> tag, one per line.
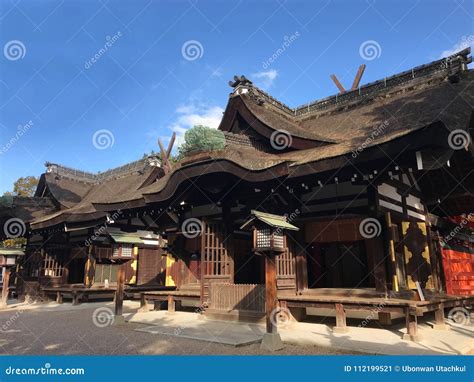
<point x="264" y="238"/>
<point x="116" y="251"/>
<point x="216" y="258"/>
<point x="127" y="250"/>
<point x="278" y="240"/>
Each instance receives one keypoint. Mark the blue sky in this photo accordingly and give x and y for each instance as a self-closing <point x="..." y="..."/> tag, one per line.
<point x="167" y="64"/>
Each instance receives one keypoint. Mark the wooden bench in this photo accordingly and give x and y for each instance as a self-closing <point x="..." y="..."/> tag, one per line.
<point x="153" y="300"/>
<point x="77" y="294"/>
<point x="135" y="291"/>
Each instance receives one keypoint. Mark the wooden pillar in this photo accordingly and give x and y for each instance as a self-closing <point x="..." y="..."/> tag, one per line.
<point x="270" y="291"/>
<point x="75" y="298"/>
<point x="341" y="326"/>
<point x="59" y="297"/>
<point x="374" y="246"/>
<point x="301" y="266"/>
<point x="119" y="291"/>
<point x="229" y="239"/>
<point x="390" y="248"/>
<point x="6" y="286"/>
<point x="143" y="302"/>
<point x="375" y="249"/>
<point x="411" y="325"/>
<point x="435" y="256"/>
<point x="203" y="260"/>
<point x="439" y="318"/>
<point x="171" y="304"/>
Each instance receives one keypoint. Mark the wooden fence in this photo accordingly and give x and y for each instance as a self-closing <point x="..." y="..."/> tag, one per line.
<point x="242" y="297"/>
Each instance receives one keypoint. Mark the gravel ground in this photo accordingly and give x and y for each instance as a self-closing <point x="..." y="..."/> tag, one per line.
<point x="62" y="331"/>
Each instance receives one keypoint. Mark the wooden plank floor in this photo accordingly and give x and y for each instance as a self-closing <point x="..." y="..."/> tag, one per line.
<point x="365" y="297"/>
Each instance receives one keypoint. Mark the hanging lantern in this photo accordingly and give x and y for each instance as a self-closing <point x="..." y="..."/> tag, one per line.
<point x="268" y="232"/>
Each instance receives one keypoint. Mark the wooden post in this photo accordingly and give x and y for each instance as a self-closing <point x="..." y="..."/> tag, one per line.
<point x="374" y="246"/>
<point x="75" y="298"/>
<point x="271" y="339"/>
<point x="171" y="304"/>
<point x="270" y="291"/>
<point x="301" y="264"/>
<point x="59" y="297"/>
<point x="119" y="291"/>
<point x="439" y="318"/>
<point x="6" y="285"/>
<point x="341" y="326"/>
<point x="385" y="318"/>
<point x="390" y="247"/>
<point x="411" y="325"/>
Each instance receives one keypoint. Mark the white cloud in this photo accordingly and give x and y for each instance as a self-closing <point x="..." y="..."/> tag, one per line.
<point x="466" y="41"/>
<point x="193" y="114"/>
<point x="265" y="79"/>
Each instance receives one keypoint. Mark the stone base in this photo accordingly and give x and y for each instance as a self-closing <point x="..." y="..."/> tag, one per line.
<point x="271" y="342"/>
<point x="409" y="337"/>
<point x="385" y="318"/>
<point x="119" y="320"/>
<point x="441" y="327"/>
<point x="339" y="329"/>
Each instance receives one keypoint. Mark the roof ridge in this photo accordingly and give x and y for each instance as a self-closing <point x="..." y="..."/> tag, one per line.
<point x="94" y="178"/>
<point x="448" y="66"/>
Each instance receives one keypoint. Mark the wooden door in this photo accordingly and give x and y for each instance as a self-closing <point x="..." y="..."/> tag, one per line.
<point x="217" y="264"/>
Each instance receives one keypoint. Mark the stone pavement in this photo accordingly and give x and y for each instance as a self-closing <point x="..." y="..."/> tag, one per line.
<point x="457" y="340"/>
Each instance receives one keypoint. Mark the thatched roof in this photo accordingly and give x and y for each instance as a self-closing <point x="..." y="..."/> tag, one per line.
<point x="417" y="109"/>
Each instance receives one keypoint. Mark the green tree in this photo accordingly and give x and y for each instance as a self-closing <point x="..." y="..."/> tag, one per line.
<point x="25" y="186"/>
<point x="201" y="138"/>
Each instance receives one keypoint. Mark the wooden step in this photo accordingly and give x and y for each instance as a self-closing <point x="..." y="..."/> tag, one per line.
<point x="234" y="315"/>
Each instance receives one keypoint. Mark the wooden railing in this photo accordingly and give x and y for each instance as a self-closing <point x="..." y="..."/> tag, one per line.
<point x="242" y="297"/>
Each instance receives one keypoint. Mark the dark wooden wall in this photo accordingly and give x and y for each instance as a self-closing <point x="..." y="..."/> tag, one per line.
<point x="151" y="266"/>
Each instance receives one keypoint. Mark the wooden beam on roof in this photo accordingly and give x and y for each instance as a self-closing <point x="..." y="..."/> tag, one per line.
<point x="338" y="84"/>
<point x="356" y="82"/>
<point x="358" y="77"/>
<point x="164" y="157"/>
<point x="170" y="145"/>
